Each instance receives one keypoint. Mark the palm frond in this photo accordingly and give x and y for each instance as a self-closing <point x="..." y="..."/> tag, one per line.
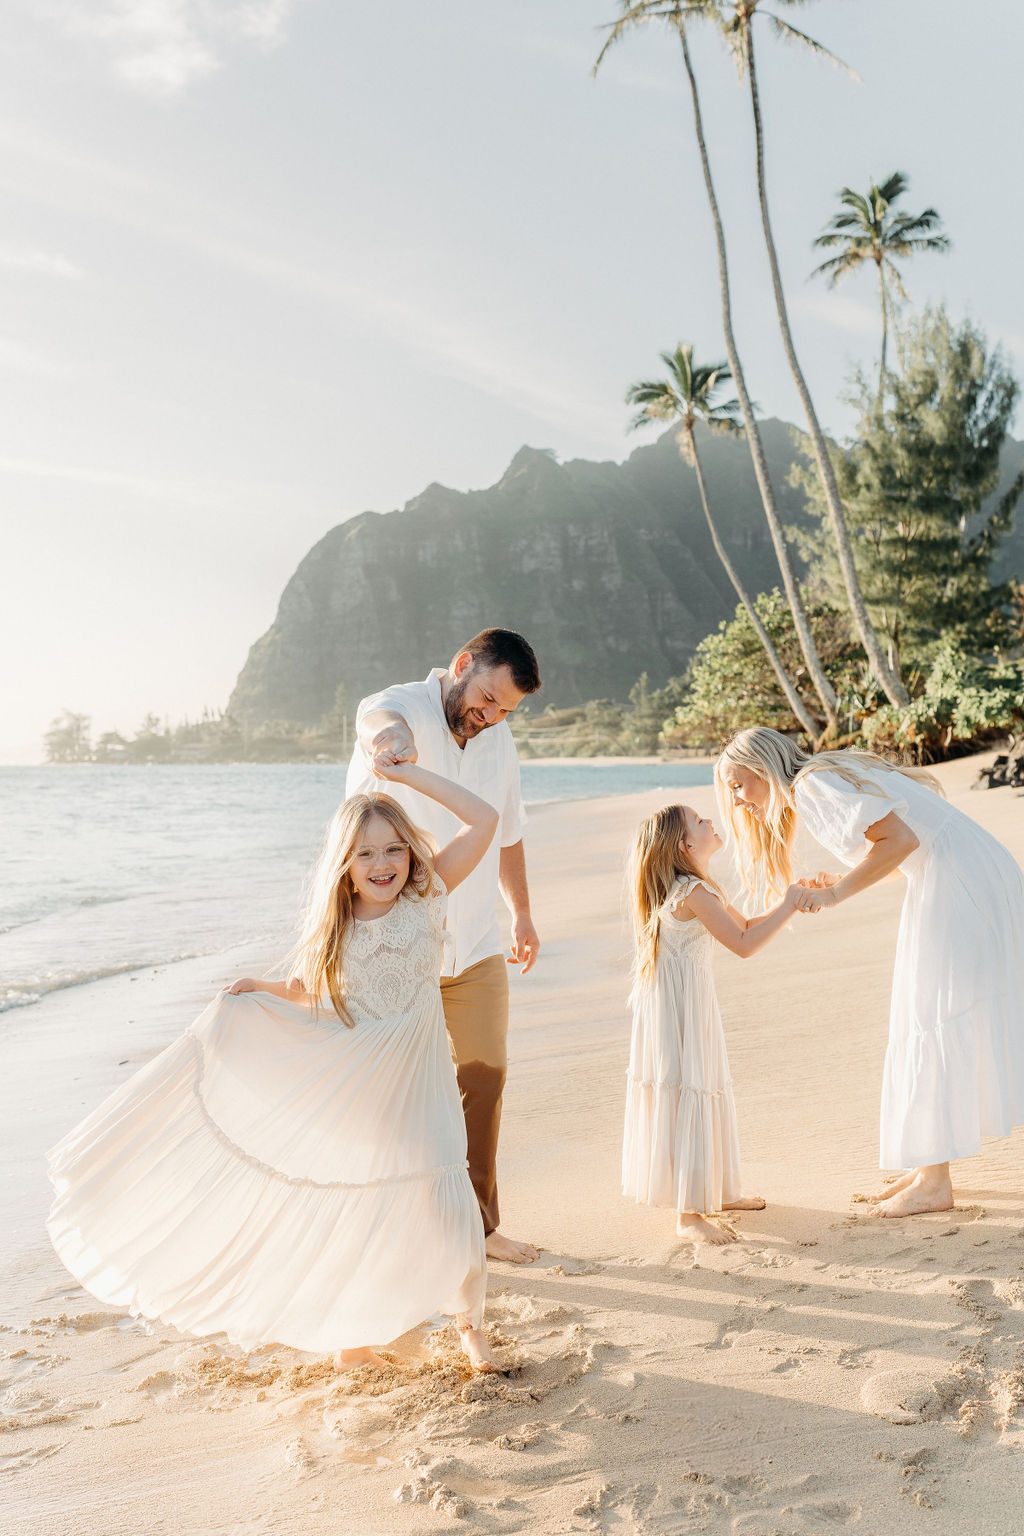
<point x="838" y="267"/>
<point x="634" y="15"/>
<point x="790" y="34"/>
<point x="894" y="186"/>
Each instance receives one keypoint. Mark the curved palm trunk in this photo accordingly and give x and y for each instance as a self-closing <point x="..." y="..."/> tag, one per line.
<point x="885" y="338"/>
<point x="793" y="699"/>
<point x="823" y="687"/>
<point x="894" y="688"/>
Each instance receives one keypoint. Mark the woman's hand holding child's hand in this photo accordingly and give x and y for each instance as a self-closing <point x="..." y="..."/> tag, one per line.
<point x="822" y="881"/>
<point x="812" y="897"/>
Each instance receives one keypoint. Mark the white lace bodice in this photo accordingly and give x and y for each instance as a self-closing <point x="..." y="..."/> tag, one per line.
<point x="392" y="964"/>
<point x="684" y="937"/>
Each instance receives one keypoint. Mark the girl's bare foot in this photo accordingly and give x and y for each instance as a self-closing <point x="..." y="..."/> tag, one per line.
<point x="929" y="1189"/>
<point x="699" y="1230"/>
<point x="508" y="1250"/>
<point x="349" y="1359"/>
<point x="477" y="1350"/>
<point x="903" y="1182"/>
<point x="744" y="1203"/>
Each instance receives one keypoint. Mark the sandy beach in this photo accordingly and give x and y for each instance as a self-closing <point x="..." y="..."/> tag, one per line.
<point x="826" y="1371"/>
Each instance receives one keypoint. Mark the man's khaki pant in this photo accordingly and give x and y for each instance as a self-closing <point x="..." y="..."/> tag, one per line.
<point x="476" y="1013"/>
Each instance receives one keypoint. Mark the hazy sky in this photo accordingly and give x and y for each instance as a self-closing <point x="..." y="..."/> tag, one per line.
<point x="267" y="263"/>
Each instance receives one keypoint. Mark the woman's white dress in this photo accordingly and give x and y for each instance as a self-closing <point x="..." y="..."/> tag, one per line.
<point x="954" y="1068"/>
<point x="281" y="1178"/>
<point x="679" y="1145"/>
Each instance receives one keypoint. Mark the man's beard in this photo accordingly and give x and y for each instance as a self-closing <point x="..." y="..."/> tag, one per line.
<point x="460" y="722"/>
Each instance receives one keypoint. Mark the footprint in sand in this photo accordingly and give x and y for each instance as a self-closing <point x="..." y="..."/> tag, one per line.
<point x="17" y="1461"/>
<point x="22" y="1363"/>
<point x="580" y="1267"/>
<point x="730" y="1330"/>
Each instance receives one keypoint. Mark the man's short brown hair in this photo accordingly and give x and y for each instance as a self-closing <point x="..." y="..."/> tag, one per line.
<point x="505" y="648"/>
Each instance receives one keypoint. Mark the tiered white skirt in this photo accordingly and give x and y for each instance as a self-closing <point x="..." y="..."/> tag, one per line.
<point x="680" y="1147"/>
<point x="279" y="1179"/>
<point x="954" y="1069"/>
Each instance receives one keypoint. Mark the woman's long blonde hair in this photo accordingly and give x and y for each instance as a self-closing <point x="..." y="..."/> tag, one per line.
<point x="318" y="958"/>
<point x="658" y="860"/>
<point x="765" y="845"/>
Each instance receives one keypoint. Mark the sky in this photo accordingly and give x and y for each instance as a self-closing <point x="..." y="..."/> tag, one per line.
<point x="265" y="264"/>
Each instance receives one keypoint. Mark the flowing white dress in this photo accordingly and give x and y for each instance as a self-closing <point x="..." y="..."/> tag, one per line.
<point x="679" y="1145"/>
<point x="281" y="1178"/>
<point x="954" y="1068"/>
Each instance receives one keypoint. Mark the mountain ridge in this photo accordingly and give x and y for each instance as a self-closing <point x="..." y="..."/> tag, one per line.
<point x="606" y="567"/>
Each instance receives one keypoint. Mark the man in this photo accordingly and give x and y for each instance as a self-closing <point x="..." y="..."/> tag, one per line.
<point x="454" y="723"/>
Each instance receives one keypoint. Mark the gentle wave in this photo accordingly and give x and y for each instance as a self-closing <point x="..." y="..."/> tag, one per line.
<point x="33" y="990"/>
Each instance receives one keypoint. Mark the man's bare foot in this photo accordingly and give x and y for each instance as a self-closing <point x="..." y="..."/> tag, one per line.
<point x="699" y="1230"/>
<point x="903" y="1182"/>
<point x="508" y="1251"/>
<point x="478" y="1351"/>
<point x="350" y="1359"/>
<point x="928" y="1190"/>
<point x="744" y="1203"/>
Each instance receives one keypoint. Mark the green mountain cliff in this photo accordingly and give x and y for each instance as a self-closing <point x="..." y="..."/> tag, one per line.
<point x="606" y="568"/>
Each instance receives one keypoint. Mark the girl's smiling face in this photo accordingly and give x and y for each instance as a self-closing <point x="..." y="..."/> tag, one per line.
<point x="379" y="867"/>
<point x="700" y="840"/>
<point x="747" y="790"/>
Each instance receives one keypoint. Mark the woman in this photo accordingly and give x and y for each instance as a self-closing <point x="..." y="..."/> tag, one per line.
<point x="954" y="1068"/>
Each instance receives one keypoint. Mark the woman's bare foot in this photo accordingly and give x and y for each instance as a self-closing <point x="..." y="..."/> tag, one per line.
<point x="929" y="1189"/>
<point x="903" y="1182"/>
<point x="699" y="1230"/>
<point x="744" y="1203"/>
<point x="350" y="1359"/>
<point x="508" y="1251"/>
<point x="477" y="1350"/>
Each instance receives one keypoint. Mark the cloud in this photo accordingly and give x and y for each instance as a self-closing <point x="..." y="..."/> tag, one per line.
<point x="160" y="47"/>
<point x="839" y="310"/>
<point x="16" y="357"/>
<point x="42" y="263"/>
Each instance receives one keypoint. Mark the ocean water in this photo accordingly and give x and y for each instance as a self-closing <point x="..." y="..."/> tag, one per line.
<point x="107" y="869"/>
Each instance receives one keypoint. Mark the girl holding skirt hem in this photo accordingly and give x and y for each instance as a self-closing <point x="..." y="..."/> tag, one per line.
<point x="292" y="1169"/>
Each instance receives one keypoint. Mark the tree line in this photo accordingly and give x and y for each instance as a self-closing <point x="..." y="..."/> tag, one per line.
<point x="897" y="569"/>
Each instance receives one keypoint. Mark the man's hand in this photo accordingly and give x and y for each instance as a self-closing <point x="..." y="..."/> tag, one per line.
<point x="392" y="744"/>
<point x="525" y="944"/>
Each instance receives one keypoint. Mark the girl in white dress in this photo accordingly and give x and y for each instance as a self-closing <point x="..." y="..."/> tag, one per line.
<point x="954" y="1068"/>
<point x="679" y="1143"/>
<point x="292" y="1169"/>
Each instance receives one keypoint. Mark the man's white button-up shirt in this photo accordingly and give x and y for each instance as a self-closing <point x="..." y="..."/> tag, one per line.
<point x="489" y="766"/>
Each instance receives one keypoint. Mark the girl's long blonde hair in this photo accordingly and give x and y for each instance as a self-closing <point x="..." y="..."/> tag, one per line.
<point x="765" y="845"/>
<point x="318" y="958"/>
<point x="658" y="859"/>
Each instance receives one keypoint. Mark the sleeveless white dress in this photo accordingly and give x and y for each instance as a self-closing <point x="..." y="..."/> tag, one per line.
<point x="281" y="1178"/>
<point x="954" y="1068"/>
<point x="679" y="1145"/>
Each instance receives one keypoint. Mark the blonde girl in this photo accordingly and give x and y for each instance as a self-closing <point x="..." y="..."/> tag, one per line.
<point x="954" y="1068"/>
<point x="680" y="1146"/>
<point x="292" y="1170"/>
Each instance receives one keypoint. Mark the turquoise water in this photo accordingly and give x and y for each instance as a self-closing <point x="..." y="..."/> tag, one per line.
<point x="106" y="869"/>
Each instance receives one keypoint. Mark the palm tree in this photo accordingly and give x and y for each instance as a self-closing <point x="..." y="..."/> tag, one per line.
<point x="675" y="13"/>
<point x="739" y="33"/>
<point x="868" y="230"/>
<point x="687" y="396"/>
